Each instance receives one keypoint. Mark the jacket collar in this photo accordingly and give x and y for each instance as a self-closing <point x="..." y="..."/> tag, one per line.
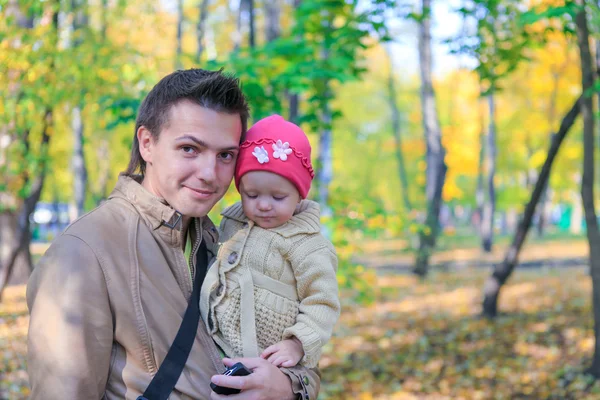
<point x="306" y="218"/>
<point x="156" y="212"/>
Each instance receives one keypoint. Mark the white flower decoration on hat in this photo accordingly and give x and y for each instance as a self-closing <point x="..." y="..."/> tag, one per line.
<point x="261" y="154"/>
<point x="281" y="150"/>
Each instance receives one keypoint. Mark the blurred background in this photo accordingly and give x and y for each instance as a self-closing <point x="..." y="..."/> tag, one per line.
<point x="454" y="154"/>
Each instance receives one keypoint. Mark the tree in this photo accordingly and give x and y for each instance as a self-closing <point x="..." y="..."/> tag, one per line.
<point x="294" y="98"/>
<point x="180" y="20"/>
<point x="29" y="178"/>
<point x="201" y="28"/>
<point x="498" y="45"/>
<point x="503" y="271"/>
<point x="78" y="162"/>
<point x="587" y="182"/>
<point x="435" y="153"/>
<point x="273" y="23"/>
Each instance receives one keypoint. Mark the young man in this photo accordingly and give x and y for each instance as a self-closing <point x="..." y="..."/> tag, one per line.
<point x="108" y="297"/>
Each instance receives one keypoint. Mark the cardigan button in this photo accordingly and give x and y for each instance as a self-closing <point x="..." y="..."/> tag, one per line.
<point x="220" y="290"/>
<point x="305" y="380"/>
<point x="232" y="258"/>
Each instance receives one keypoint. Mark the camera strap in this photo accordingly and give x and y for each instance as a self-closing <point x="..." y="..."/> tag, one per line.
<point x="166" y="378"/>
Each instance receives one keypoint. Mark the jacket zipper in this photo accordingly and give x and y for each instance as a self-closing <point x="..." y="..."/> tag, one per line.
<point x="192" y="260"/>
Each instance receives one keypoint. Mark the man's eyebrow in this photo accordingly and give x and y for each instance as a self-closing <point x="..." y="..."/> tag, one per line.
<point x="201" y="143"/>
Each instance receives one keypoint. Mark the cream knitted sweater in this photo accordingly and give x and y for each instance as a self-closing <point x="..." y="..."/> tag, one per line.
<point x="271" y="284"/>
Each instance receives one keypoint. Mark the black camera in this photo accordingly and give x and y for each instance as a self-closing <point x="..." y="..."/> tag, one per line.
<point x="238" y="369"/>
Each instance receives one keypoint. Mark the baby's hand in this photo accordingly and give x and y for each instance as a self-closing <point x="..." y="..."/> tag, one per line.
<point x="286" y="353"/>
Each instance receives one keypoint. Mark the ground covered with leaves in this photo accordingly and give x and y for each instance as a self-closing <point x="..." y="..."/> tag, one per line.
<point x="424" y="340"/>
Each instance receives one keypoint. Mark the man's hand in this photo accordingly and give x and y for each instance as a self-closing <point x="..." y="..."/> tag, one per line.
<point x="286" y="353"/>
<point x="266" y="382"/>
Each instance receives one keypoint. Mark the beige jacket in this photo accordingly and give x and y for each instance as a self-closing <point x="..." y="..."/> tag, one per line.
<point x="272" y="284"/>
<point x="107" y="299"/>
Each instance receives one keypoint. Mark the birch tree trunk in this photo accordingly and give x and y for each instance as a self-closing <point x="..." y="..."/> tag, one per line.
<point x="78" y="164"/>
<point x="201" y="29"/>
<point x="435" y="153"/>
<point x="489" y="205"/>
<point x="294" y="98"/>
<point x="479" y="191"/>
<point x="179" y="49"/>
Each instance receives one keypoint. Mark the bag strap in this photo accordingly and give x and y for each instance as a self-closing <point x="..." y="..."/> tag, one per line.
<point x="166" y="378"/>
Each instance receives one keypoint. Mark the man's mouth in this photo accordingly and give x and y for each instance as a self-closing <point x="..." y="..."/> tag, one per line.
<point x="202" y="193"/>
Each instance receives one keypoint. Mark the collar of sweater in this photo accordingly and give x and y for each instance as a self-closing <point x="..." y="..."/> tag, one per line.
<point x="306" y="218"/>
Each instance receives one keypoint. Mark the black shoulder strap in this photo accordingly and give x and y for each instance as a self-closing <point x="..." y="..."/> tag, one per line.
<point x="169" y="371"/>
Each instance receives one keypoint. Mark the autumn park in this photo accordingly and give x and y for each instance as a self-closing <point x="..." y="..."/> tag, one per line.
<point x="454" y="146"/>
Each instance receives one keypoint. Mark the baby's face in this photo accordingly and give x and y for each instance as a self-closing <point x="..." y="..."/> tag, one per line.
<point x="268" y="199"/>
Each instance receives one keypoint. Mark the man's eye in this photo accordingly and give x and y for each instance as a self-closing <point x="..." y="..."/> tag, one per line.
<point x="227" y="156"/>
<point x="188" y="149"/>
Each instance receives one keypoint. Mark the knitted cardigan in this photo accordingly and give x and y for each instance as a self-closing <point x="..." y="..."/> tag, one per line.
<point x="272" y="284"/>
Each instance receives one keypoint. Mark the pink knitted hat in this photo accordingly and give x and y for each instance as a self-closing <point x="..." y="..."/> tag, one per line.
<point x="279" y="146"/>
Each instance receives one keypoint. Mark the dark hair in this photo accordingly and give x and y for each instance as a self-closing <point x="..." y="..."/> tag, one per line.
<point x="214" y="90"/>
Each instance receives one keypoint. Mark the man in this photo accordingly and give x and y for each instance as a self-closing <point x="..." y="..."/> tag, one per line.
<point x="108" y="297"/>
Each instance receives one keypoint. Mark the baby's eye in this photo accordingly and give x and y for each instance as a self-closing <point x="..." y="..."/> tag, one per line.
<point x="251" y="196"/>
<point x="279" y="198"/>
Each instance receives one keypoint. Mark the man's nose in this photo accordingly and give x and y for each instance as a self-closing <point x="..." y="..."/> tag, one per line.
<point x="207" y="169"/>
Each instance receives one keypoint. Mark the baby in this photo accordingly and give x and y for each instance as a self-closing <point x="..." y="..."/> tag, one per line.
<point x="272" y="292"/>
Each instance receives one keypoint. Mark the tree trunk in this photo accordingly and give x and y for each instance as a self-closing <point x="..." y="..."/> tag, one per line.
<point x="272" y="15"/>
<point x="503" y="271"/>
<point x="200" y="29"/>
<point x="9" y="241"/>
<point x="23" y="234"/>
<point x="325" y="172"/>
<point x="479" y="191"/>
<point x="598" y="62"/>
<point x="80" y="174"/>
<point x="325" y="162"/>
<point x="179" y="50"/>
<point x="251" y="32"/>
<point x="436" y="166"/>
<point x="78" y="166"/>
<point x="294" y="98"/>
<point x="395" y="114"/>
<point x="294" y="101"/>
<point x="237" y="35"/>
<point x="587" y="181"/>
<point x="489" y="206"/>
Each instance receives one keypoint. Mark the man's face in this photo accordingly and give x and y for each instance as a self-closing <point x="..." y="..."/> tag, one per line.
<point x="192" y="162"/>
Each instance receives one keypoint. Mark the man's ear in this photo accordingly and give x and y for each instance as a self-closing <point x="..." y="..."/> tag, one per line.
<point x="146" y="140"/>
